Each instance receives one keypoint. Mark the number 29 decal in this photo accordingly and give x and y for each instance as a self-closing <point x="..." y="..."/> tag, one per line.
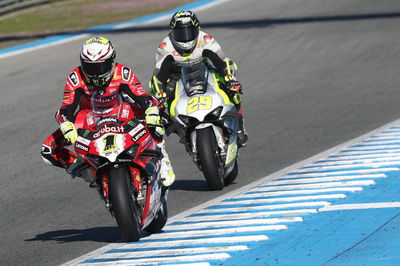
<point x="199" y="103"/>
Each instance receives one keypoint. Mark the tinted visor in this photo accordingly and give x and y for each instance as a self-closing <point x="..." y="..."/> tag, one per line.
<point x="185" y="34"/>
<point x="97" y="68"/>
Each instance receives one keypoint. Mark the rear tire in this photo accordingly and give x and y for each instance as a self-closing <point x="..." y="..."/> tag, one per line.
<point x="161" y="218"/>
<point x="232" y="175"/>
<point x="123" y="205"/>
<point x="207" y="149"/>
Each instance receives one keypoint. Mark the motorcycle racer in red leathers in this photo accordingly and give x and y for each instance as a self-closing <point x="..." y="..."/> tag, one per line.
<point x="99" y="75"/>
<point x="185" y="45"/>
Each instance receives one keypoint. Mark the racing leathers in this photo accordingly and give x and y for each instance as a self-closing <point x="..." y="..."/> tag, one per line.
<point x="169" y="60"/>
<point x="77" y="100"/>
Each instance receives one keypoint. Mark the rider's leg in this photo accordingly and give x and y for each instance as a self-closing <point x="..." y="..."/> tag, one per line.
<point x="167" y="172"/>
<point x="54" y="151"/>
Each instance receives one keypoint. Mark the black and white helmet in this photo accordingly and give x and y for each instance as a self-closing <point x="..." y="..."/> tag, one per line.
<point x="98" y="61"/>
<point x="185" y="29"/>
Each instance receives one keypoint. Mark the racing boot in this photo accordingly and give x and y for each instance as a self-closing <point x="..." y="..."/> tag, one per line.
<point x="242" y="134"/>
<point x="166" y="171"/>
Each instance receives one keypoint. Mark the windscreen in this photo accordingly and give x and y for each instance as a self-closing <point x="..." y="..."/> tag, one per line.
<point x="195" y="78"/>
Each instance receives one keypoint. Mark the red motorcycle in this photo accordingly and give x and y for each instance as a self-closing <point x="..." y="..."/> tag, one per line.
<point x="120" y="158"/>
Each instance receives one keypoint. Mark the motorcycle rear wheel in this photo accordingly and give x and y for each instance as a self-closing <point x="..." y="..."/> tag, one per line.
<point x="210" y="162"/>
<point x="123" y="205"/>
<point x="161" y="218"/>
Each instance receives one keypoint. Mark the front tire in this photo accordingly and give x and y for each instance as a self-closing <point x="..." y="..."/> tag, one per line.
<point x="123" y="205"/>
<point x="209" y="160"/>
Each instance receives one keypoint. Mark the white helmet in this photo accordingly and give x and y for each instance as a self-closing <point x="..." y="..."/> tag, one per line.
<point x="98" y="61"/>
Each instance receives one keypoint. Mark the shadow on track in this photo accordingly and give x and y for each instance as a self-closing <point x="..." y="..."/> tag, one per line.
<point x="190" y="185"/>
<point x="242" y="24"/>
<point x="96" y="234"/>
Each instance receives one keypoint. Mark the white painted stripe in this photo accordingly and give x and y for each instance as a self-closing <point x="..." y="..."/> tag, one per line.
<point x="352" y="152"/>
<point x="386" y="135"/>
<point x="317" y="185"/>
<point x="358" y="161"/>
<point x="338" y="166"/>
<point x="215" y="232"/>
<point x="365" y="157"/>
<point x="334" y="173"/>
<point x="358" y="171"/>
<point x="300" y="198"/>
<point x="379" y="142"/>
<point x="250" y="215"/>
<point x="373" y="147"/>
<point x="212" y="256"/>
<point x="323" y="179"/>
<point x="265" y="207"/>
<point x="361" y="206"/>
<point x="297" y="192"/>
<point x="233" y="223"/>
<point x="171" y="252"/>
<point x="208" y="240"/>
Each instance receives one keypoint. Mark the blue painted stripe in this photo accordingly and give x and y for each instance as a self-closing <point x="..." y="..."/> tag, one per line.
<point x="102" y="28"/>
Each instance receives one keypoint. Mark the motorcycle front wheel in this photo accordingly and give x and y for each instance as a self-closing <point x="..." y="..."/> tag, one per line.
<point x="209" y="160"/>
<point x="123" y="205"/>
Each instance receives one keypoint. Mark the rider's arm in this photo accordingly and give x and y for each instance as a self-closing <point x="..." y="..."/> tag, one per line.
<point x="213" y="51"/>
<point x="71" y="99"/>
<point x="134" y="92"/>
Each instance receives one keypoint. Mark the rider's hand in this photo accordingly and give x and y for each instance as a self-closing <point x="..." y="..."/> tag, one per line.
<point x="232" y="84"/>
<point x="153" y="120"/>
<point x="69" y="131"/>
<point x="161" y="98"/>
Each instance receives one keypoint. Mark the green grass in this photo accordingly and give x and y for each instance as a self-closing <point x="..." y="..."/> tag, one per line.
<point x="74" y="15"/>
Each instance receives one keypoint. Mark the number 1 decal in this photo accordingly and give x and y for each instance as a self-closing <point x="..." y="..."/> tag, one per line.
<point x="199" y="103"/>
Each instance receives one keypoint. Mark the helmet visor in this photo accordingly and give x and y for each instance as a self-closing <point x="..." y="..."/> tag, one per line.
<point x="92" y="69"/>
<point x="185" y="34"/>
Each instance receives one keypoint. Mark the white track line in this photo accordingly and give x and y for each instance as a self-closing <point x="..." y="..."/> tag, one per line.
<point x="232" y="223"/>
<point x="250" y="215"/>
<point x="172" y="252"/>
<point x="361" y="206"/>
<point x="284" y="199"/>
<point x="323" y="179"/>
<point x="333" y="173"/>
<point x="297" y="192"/>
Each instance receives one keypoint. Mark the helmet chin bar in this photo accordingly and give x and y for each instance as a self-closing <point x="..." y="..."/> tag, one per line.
<point x="186" y="46"/>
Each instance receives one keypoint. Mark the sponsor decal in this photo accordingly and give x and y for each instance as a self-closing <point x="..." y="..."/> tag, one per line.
<point x="125" y="73"/>
<point x="134" y="131"/>
<point x="110" y="145"/>
<point x="139" y="135"/>
<point x="131" y="123"/>
<point x="83" y="140"/>
<point x="46" y="149"/>
<point x="90" y="120"/>
<point x="189" y="62"/>
<point x="81" y="146"/>
<point x="109" y="129"/>
<point x="107" y="120"/>
<point x="86" y="133"/>
<point x="73" y="78"/>
<point x="125" y="111"/>
<point x="162" y="45"/>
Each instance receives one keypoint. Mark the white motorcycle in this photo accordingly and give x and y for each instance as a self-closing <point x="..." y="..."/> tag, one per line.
<point x="206" y="121"/>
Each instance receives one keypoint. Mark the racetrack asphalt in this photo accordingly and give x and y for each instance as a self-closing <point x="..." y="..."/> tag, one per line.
<point x="315" y="74"/>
